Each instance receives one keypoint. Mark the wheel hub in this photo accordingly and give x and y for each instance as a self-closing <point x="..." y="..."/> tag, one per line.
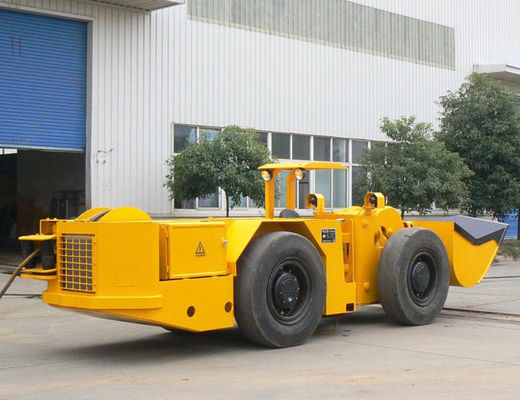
<point x="286" y="291"/>
<point x="420" y="277"/>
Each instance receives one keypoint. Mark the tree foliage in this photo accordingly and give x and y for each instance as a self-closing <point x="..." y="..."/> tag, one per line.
<point x="229" y="161"/>
<point x="481" y="122"/>
<point x="414" y="171"/>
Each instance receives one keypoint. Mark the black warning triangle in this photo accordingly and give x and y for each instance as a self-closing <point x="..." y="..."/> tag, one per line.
<point x="200" y="252"/>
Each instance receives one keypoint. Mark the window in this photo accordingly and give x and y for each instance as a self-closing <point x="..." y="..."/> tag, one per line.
<point x="281" y="184"/>
<point x="210" y="201"/>
<point x="242" y="204"/>
<point x="281" y="145"/>
<point x="262" y="137"/>
<point x="377" y="145"/>
<point x="333" y="184"/>
<point x="321" y="148"/>
<point x="303" y="190"/>
<point x="357" y="150"/>
<point x="182" y="135"/>
<point x="357" y="192"/>
<point x="208" y="134"/>
<point x="184" y="204"/>
<point x="322" y="184"/>
<point x="301" y="147"/>
<point x="339" y="184"/>
<point x="340" y="150"/>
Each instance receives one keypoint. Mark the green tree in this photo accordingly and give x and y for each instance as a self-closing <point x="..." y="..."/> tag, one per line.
<point x="414" y="171"/>
<point x="229" y="161"/>
<point x="481" y="122"/>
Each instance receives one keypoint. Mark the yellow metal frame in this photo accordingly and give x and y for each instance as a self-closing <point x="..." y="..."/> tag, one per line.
<point x="275" y="169"/>
<point x="180" y="273"/>
<point x="469" y="263"/>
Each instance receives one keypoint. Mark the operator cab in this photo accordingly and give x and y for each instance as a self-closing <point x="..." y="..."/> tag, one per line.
<point x="297" y="172"/>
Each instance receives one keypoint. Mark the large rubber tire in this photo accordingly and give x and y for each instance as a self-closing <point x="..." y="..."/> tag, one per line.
<point x="280" y="290"/>
<point x="413" y="276"/>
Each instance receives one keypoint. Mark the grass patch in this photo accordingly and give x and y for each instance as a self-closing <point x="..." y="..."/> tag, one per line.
<point x="510" y="248"/>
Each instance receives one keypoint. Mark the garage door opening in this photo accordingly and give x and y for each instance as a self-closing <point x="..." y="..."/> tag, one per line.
<point x="36" y="185"/>
<point x="8" y="210"/>
<point x="43" y="93"/>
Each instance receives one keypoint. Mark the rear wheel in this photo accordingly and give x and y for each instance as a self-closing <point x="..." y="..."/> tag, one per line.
<point x="413" y="276"/>
<point x="280" y="290"/>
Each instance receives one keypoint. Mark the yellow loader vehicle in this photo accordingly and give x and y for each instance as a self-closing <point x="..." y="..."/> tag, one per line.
<point x="276" y="276"/>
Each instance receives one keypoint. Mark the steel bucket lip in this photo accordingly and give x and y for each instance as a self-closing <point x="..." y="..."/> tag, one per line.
<point x="477" y="230"/>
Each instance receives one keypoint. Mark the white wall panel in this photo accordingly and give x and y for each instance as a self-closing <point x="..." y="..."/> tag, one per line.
<point x="274" y="83"/>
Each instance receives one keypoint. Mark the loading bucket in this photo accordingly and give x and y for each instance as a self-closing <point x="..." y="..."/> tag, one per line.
<point x="472" y="245"/>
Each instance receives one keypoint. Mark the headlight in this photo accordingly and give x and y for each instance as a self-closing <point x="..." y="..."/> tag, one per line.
<point x="266" y="175"/>
<point x="299" y="174"/>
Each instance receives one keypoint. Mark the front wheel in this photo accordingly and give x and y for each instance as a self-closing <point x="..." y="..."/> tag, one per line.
<point x="413" y="276"/>
<point x="280" y="290"/>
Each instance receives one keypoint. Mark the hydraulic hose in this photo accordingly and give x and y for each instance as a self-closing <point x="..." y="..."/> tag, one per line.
<point x="26" y="261"/>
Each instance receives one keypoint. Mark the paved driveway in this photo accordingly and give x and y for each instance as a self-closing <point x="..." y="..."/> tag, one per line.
<point x="46" y="353"/>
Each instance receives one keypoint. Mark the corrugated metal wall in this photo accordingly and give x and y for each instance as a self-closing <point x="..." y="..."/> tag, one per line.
<point x="337" y="23"/>
<point x="132" y="88"/>
<point x="150" y="70"/>
<point x="274" y="83"/>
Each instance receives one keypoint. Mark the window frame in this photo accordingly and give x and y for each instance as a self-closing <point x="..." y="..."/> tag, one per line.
<point x="349" y="163"/>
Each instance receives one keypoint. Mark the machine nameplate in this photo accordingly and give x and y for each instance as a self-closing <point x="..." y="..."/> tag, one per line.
<point x="328" y="235"/>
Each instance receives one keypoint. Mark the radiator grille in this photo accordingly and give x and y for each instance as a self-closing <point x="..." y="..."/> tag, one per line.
<point x="75" y="263"/>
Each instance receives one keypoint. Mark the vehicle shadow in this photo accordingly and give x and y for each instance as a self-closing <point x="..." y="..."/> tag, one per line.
<point x="179" y="345"/>
<point x="350" y="324"/>
<point x="175" y="346"/>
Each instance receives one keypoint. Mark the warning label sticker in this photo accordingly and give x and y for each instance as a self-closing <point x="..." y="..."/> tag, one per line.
<point x="200" y="252"/>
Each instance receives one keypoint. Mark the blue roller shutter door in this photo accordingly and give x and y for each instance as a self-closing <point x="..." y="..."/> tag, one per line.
<point x="43" y="70"/>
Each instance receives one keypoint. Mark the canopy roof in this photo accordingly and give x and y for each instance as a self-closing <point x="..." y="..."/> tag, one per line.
<point x="145" y="5"/>
<point x="504" y="72"/>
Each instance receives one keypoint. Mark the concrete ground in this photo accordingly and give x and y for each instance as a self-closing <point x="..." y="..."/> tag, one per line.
<point x="46" y="353"/>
